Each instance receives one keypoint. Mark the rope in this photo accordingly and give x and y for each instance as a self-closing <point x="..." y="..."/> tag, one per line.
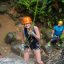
<point x="35" y="14"/>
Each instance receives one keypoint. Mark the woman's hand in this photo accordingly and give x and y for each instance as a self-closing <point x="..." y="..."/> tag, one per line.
<point x="35" y="32"/>
<point x="31" y="32"/>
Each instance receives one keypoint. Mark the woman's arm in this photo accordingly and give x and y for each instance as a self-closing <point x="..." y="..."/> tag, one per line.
<point x="37" y="32"/>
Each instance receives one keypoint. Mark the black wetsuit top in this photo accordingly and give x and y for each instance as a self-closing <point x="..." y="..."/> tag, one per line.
<point x="31" y="40"/>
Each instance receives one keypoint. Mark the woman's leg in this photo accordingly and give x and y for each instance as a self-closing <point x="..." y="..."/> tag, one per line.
<point x="26" y="54"/>
<point x="38" y="56"/>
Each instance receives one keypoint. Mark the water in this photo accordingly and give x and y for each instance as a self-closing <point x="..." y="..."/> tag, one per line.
<point x="8" y="60"/>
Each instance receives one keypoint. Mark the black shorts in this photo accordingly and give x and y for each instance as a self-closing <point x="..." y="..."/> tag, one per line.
<point x="33" y="45"/>
<point x="55" y="39"/>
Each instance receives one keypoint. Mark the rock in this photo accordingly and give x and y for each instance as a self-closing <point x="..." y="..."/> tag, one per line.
<point x="17" y="49"/>
<point x="56" y="57"/>
<point x="9" y="38"/>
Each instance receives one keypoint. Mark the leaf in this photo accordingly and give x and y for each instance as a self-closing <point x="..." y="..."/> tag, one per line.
<point x="45" y="2"/>
<point x="63" y="1"/>
<point x="49" y="10"/>
<point x="49" y="1"/>
<point x="60" y="10"/>
<point x="32" y="1"/>
<point x="62" y="37"/>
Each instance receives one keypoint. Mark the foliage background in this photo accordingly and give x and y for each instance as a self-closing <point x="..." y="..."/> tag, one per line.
<point x="48" y="12"/>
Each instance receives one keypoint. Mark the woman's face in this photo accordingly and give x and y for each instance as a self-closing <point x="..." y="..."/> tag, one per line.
<point x="27" y="26"/>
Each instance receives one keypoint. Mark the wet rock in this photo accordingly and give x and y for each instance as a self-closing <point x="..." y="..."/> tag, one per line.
<point x="10" y="37"/>
<point x="56" y="57"/>
<point x="15" y="59"/>
<point x="8" y="60"/>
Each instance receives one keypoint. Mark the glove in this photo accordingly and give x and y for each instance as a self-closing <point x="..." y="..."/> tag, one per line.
<point x="21" y="47"/>
<point x="31" y="33"/>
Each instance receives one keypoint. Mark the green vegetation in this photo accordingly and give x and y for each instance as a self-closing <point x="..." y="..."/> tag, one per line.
<point x="48" y="12"/>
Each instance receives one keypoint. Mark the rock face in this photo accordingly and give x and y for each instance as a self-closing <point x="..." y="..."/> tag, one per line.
<point x="61" y="60"/>
<point x="56" y="56"/>
<point x="7" y="25"/>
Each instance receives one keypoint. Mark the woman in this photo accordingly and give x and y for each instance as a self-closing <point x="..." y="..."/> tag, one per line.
<point x="32" y="35"/>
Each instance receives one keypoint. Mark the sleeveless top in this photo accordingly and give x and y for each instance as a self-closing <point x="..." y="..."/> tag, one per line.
<point x="30" y="38"/>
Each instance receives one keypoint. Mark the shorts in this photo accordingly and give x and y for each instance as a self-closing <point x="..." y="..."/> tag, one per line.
<point x="55" y="39"/>
<point x="33" y="45"/>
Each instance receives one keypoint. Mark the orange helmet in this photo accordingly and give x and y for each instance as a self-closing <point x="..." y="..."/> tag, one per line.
<point x="26" y="20"/>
